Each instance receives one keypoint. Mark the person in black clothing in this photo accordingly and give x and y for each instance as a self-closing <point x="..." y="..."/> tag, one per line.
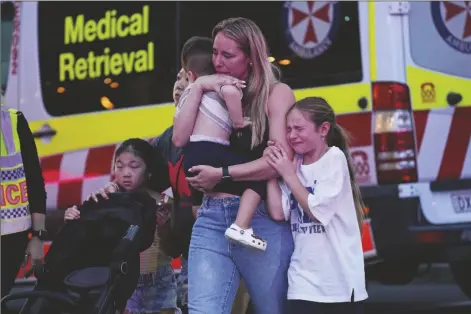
<point x="135" y="170"/>
<point x="13" y="243"/>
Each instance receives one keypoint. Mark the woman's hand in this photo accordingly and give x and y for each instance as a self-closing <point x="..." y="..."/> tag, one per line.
<point x="278" y="159"/>
<point x="109" y="188"/>
<point x="216" y="81"/>
<point x="72" y="213"/>
<point x="206" y="177"/>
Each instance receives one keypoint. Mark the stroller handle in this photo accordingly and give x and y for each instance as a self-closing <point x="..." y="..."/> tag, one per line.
<point x="40" y="294"/>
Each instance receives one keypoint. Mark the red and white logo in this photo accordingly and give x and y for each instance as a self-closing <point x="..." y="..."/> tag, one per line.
<point x="310" y="26"/>
<point x="453" y="22"/>
<point x="361" y="165"/>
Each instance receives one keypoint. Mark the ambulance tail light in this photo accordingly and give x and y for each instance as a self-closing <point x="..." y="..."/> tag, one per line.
<point x="394" y="142"/>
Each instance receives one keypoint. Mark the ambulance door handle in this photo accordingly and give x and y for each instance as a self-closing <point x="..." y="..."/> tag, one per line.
<point x="363" y="102"/>
<point x="45" y="131"/>
<point x="453" y="98"/>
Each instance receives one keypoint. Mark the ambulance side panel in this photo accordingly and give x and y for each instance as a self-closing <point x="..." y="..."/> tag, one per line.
<point x="437" y="41"/>
<point x="68" y="106"/>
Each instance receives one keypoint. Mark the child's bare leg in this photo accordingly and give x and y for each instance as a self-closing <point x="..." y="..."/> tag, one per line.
<point x="194" y="209"/>
<point x="240" y="231"/>
<point x="248" y="204"/>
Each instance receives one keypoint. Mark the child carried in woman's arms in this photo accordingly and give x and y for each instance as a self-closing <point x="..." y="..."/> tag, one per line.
<point x="209" y="143"/>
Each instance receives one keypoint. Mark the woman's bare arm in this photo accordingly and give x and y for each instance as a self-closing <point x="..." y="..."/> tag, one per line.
<point x="280" y="101"/>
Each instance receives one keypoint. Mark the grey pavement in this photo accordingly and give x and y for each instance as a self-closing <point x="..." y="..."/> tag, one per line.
<point x="433" y="293"/>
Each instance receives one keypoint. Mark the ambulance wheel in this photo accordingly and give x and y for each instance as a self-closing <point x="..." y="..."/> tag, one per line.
<point x="396" y="273"/>
<point x="462" y="274"/>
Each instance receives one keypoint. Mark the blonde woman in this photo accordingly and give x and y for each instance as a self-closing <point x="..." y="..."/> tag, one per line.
<point x="215" y="265"/>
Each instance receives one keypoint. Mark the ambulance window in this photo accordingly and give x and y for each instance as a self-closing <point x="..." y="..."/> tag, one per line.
<point x="95" y="56"/>
<point x="325" y="52"/>
<point x="441" y="28"/>
<point x="7" y="13"/>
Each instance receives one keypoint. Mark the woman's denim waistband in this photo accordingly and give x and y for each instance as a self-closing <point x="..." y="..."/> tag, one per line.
<point x="210" y="201"/>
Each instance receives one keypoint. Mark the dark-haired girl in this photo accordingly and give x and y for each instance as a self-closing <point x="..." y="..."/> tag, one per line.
<point x="156" y="289"/>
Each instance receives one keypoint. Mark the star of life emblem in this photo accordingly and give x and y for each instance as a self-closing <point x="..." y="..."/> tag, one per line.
<point x="452" y="20"/>
<point x="310" y="26"/>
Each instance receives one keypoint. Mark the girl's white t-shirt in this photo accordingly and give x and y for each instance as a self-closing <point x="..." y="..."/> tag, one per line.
<point x="327" y="264"/>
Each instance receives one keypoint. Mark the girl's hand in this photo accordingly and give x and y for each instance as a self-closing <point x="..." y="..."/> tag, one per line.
<point x="109" y="188"/>
<point x="214" y="82"/>
<point x="72" y="213"/>
<point x="269" y="151"/>
<point x="278" y="159"/>
<point x="270" y="146"/>
<point x="206" y="177"/>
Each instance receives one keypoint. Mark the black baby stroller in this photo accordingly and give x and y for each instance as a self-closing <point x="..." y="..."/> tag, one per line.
<point x="92" y="265"/>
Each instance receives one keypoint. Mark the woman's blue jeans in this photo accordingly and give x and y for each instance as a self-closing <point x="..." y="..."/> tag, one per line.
<point x="215" y="265"/>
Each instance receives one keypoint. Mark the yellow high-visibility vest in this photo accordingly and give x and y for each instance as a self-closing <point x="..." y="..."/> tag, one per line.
<point x="14" y="205"/>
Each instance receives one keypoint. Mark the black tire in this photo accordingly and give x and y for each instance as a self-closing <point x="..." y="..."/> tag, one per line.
<point x="395" y="273"/>
<point x="462" y="274"/>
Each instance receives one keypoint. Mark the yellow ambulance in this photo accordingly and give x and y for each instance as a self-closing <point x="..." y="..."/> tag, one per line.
<point x="89" y="74"/>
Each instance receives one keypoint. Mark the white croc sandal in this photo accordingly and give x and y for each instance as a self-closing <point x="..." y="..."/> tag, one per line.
<point x="245" y="237"/>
